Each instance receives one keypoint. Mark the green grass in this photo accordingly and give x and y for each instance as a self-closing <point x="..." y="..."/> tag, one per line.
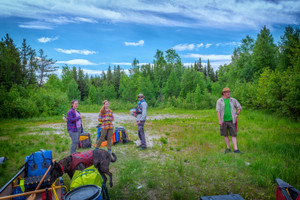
<point x="187" y="160"/>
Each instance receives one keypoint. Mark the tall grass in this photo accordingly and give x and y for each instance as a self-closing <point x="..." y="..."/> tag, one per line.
<point x="187" y="160"/>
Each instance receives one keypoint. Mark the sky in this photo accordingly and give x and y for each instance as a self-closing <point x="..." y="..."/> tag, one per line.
<point x="95" y="34"/>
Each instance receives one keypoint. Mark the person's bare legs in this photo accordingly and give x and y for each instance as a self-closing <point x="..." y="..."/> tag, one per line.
<point x="234" y="143"/>
<point x="227" y="141"/>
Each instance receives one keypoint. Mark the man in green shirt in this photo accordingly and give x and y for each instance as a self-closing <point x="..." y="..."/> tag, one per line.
<point x="228" y="110"/>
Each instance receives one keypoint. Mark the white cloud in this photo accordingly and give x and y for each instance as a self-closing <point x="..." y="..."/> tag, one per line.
<point x="77" y="51"/>
<point x="228" y="44"/>
<point x="35" y="26"/>
<point x="183" y="47"/>
<point x="230" y="13"/>
<point x="47" y="39"/>
<point x="139" y="43"/>
<point x="199" y="45"/>
<point x="76" y="62"/>
<point x="207" y="45"/>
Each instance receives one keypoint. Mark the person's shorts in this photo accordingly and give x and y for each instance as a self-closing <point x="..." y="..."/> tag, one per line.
<point x="228" y="127"/>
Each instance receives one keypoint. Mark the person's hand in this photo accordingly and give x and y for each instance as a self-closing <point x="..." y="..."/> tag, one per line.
<point x="134" y="114"/>
<point x="220" y="123"/>
<point x="80" y="116"/>
<point x="236" y="115"/>
<point x="138" y="122"/>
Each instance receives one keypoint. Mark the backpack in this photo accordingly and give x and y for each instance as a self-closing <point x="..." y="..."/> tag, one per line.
<point x="84" y="140"/>
<point x="121" y="134"/>
<point x="37" y="163"/>
<point x="88" y="176"/>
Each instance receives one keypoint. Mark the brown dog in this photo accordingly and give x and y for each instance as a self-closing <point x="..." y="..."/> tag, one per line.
<point x="99" y="158"/>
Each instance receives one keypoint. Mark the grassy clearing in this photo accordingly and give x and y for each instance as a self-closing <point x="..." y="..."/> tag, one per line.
<point x="186" y="160"/>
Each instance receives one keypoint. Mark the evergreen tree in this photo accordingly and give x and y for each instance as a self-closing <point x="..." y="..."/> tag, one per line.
<point x="109" y="76"/>
<point x="28" y="63"/>
<point x="289" y="48"/>
<point x="44" y="67"/>
<point x="264" y="52"/>
<point x="126" y="89"/>
<point x="210" y="71"/>
<point x="172" y="87"/>
<point x="92" y="95"/>
<point x="73" y="92"/>
<point x="10" y="66"/>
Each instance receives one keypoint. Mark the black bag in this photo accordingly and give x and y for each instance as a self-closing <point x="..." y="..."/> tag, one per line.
<point x="84" y="141"/>
<point x="123" y="135"/>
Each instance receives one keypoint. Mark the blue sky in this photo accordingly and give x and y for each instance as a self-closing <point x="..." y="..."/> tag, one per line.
<point x="95" y="34"/>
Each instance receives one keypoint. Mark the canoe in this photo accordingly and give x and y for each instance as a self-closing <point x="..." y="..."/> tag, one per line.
<point x="284" y="191"/>
<point x="57" y="189"/>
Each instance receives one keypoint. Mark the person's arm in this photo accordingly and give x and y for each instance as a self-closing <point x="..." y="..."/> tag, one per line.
<point x="144" y="112"/>
<point x="218" y="108"/>
<point x="72" y="117"/>
<point x="238" y="108"/>
<point x="220" y="118"/>
<point x="112" y="116"/>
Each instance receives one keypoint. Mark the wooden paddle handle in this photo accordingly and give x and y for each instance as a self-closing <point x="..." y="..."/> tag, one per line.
<point x="42" y="180"/>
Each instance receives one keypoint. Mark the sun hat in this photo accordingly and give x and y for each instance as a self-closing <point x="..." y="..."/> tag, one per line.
<point x="225" y="90"/>
<point x="140" y="95"/>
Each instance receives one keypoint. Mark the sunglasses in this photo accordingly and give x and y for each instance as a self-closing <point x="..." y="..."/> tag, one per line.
<point x="140" y="97"/>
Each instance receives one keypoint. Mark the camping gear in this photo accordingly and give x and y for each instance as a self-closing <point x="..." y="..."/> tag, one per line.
<point x="33" y="196"/>
<point x="133" y="111"/>
<point x="284" y="191"/>
<point x="85" y="192"/>
<point x="2" y="160"/>
<point x="84" y="141"/>
<point x="38" y="163"/>
<point x="99" y="130"/>
<point x="121" y="135"/>
<point x="31" y="182"/>
<point x="17" y="189"/>
<point x="88" y="176"/>
<point x="223" y="197"/>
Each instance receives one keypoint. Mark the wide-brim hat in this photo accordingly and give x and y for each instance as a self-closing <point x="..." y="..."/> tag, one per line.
<point x="140" y="95"/>
<point x="225" y="90"/>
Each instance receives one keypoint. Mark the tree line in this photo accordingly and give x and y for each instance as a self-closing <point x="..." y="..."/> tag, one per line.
<point x="261" y="75"/>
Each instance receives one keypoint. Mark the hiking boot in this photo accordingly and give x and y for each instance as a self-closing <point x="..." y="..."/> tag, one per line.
<point x="143" y="148"/>
<point x="237" y="151"/>
<point x="139" y="146"/>
<point x="109" y="151"/>
<point x="227" y="150"/>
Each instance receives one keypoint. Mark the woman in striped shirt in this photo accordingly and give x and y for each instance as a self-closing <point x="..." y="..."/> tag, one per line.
<point x="106" y="116"/>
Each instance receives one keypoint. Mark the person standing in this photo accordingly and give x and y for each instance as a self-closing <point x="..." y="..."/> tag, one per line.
<point x="228" y="110"/>
<point x="141" y="114"/>
<point x="74" y="125"/>
<point x="106" y="116"/>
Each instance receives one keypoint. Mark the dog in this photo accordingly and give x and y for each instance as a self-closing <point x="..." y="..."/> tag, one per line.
<point x="98" y="157"/>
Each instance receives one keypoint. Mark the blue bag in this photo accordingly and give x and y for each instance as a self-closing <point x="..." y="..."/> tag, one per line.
<point x="38" y="163"/>
<point x="118" y="136"/>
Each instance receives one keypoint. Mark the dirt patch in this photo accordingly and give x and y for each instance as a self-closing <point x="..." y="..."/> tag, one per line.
<point x="90" y="121"/>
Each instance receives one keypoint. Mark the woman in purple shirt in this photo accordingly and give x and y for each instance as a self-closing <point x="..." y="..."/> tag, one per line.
<point x="74" y="125"/>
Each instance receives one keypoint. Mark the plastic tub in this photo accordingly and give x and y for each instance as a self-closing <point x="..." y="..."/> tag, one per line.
<point x="85" y="192"/>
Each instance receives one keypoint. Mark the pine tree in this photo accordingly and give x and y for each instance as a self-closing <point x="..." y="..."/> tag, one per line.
<point x="44" y="67"/>
<point x="264" y="52"/>
<point x="10" y="63"/>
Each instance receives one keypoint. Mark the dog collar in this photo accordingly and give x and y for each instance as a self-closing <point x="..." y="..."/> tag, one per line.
<point x="62" y="168"/>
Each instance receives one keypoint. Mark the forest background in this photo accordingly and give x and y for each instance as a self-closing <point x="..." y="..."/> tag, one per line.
<point x="262" y="75"/>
